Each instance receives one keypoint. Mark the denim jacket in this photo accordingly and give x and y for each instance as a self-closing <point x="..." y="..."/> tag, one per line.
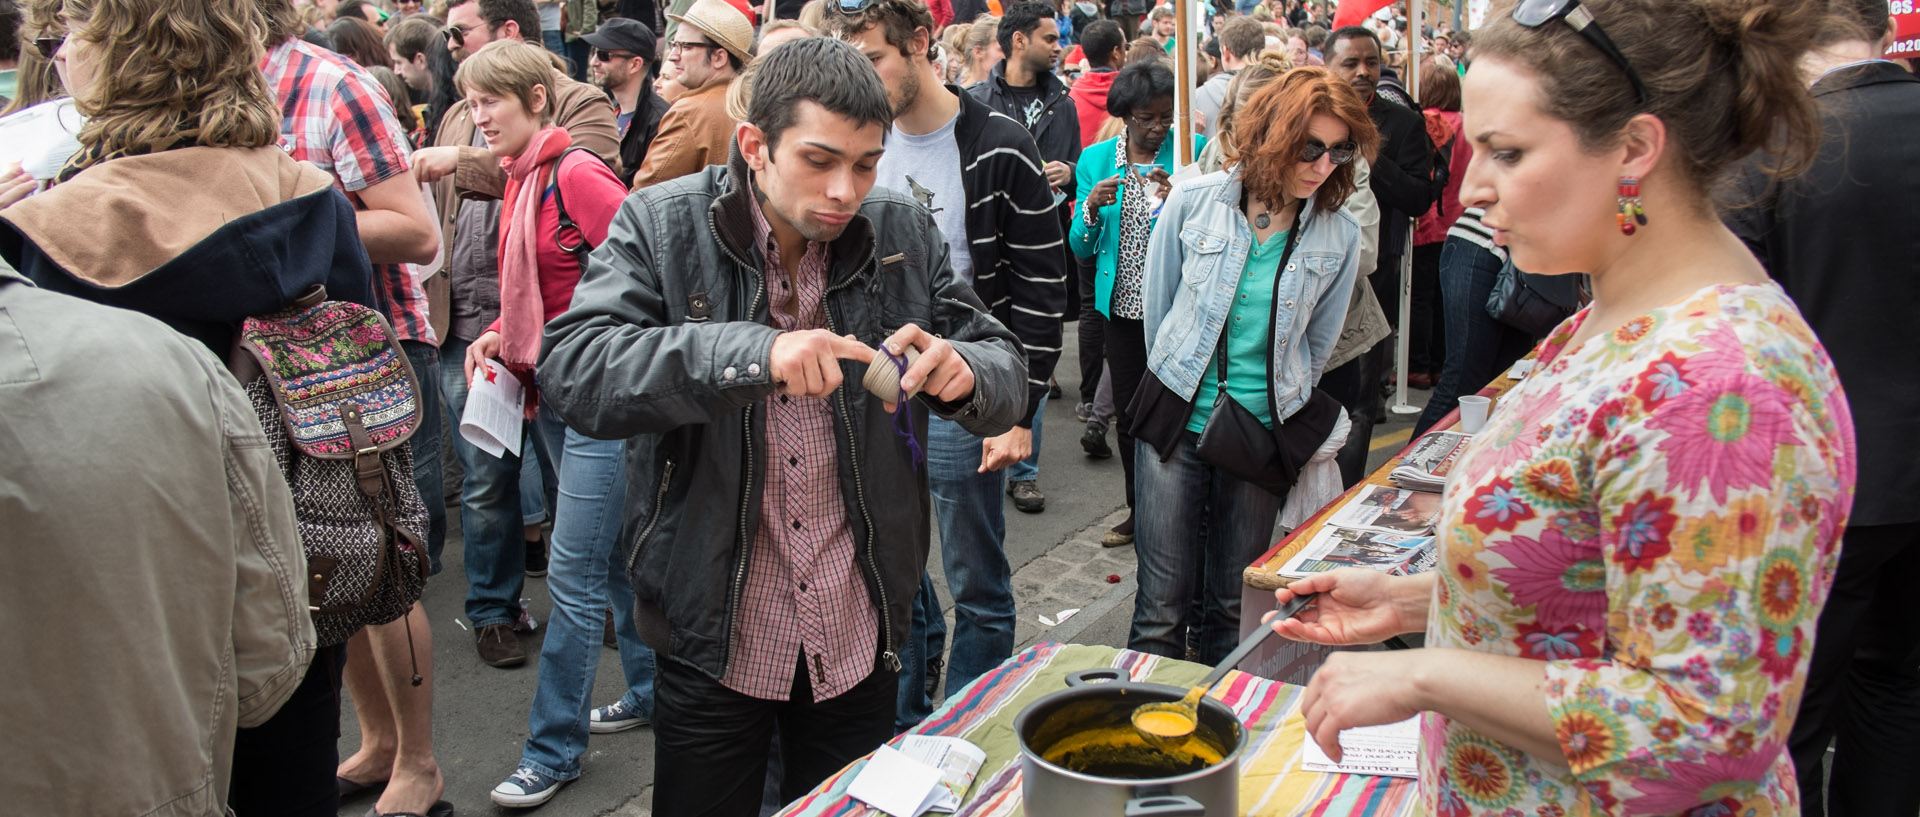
<point x="1194" y="263"/>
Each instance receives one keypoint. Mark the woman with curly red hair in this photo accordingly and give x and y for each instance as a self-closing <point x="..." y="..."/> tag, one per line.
<point x="1247" y="280"/>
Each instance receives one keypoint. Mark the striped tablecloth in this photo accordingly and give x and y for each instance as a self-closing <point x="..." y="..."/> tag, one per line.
<point x="1271" y="780"/>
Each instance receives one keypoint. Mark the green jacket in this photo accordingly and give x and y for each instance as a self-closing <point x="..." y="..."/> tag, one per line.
<point x="1097" y="165"/>
<point x="583" y="17"/>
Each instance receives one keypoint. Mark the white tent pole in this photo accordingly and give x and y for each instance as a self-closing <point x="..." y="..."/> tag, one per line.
<point x="1400" y="346"/>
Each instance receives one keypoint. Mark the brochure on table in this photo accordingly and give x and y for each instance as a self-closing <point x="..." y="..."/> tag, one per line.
<point x="924" y="773"/>
<point x="1391" y="750"/>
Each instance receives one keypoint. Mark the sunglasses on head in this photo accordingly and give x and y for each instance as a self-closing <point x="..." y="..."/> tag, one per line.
<point x="1537" y="13"/>
<point x="48" y="46"/>
<point x="855" y="6"/>
<point x="1341" y="153"/>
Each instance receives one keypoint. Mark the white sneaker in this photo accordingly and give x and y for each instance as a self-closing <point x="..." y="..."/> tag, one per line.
<point x="526" y="788"/>
<point x="614" y="717"/>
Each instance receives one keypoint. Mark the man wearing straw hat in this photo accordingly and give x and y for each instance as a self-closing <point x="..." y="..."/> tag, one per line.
<point x="712" y="44"/>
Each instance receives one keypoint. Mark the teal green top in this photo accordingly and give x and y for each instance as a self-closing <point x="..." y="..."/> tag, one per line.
<point x="1249" y="329"/>
<point x="1102" y="240"/>
<point x="9" y="82"/>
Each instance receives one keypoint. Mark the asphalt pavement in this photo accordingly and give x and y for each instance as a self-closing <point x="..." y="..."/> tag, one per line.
<point x="480" y="713"/>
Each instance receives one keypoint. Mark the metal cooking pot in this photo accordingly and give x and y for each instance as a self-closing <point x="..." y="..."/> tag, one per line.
<point x="1080" y="755"/>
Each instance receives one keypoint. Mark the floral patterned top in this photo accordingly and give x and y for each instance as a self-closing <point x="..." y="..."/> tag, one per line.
<point x="1656" y="514"/>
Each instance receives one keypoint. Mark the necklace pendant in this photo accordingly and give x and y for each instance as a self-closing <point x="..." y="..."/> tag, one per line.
<point x="1263" y="220"/>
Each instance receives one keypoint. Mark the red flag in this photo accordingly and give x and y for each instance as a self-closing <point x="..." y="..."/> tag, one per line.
<point x="1352" y="12"/>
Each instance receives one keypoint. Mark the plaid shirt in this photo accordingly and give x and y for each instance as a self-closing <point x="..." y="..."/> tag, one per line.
<point x="805" y="598"/>
<point x="336" y="116"/>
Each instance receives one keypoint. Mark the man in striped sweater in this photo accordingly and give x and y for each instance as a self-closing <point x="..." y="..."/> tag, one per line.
<point x="979" y="175"/>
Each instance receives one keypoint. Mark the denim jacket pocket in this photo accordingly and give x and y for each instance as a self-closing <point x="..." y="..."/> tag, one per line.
<point x="1201" y="251"/>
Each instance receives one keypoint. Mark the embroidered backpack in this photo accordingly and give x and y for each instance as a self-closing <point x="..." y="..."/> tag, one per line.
<point x="339" y="403"/>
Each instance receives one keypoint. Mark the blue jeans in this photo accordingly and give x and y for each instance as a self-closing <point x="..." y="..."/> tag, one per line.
<point x="490" y="516"/>
<point x="533" y="493"/>
<point x="1028" y="468"/>
<point x="1478" y="346"/>
<point x="1187" y="512"/>
<point x="428" y="475"/>
<point x="973" y="535"/>
<point x="586" y="568"/>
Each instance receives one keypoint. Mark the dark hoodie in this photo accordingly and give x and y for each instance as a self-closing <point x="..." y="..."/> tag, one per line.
<point x="199" y="238"/>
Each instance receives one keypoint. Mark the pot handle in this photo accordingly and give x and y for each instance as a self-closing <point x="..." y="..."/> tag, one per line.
<point x="1165" y="805"/>
<point x="1101" y="675"/>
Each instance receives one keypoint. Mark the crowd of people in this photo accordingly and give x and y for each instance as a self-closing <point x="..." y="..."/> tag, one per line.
<point x="688" y="228"/>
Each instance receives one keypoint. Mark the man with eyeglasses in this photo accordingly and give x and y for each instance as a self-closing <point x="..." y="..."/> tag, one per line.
<point x="468" y="183"/>
<point x="713" y="42"/>
<point x="1024" y="87"/>
<point x="621" y="62"/>
<point x="1404" y="185"/>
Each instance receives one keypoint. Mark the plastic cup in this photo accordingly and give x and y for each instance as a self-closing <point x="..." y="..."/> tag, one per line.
<point x="1473" y="412"/>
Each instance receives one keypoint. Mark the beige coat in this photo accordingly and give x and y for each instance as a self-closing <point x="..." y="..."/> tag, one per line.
<point x="583" y="110"/>
<point x="157" y="601"/>
<point x="695" y="133"/>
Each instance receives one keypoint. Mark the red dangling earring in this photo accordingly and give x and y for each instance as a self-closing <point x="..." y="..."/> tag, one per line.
<point x="1632" y="215"/>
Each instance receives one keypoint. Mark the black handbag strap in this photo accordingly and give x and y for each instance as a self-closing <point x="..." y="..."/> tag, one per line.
<point x="578" y="251"/>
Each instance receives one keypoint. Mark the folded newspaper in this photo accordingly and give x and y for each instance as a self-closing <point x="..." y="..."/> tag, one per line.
<point x="1427" y="464"/>
<point x="926" y="773"/>
<point x="1333" y="548"/>
<point x="1392" y="510"/>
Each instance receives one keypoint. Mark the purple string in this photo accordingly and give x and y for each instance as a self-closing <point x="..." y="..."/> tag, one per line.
<point x="903" y="413"/>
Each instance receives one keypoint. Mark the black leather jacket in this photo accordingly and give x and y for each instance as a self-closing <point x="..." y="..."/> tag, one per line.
<point x="668" y="344"/>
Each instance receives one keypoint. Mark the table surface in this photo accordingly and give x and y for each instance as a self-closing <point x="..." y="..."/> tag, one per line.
<point x="1271" y="780"/>
<point x="1264" y="573"/>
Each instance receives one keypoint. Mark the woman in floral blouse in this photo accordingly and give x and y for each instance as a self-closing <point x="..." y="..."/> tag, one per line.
<point x="1635" y="549"/>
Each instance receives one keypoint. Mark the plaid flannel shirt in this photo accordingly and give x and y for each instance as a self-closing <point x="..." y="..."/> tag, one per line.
<point x="805" y="598"/>
<point x="336" y="116"/>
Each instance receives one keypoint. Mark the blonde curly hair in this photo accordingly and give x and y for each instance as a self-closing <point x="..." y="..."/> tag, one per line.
<point x="172" y="72"/>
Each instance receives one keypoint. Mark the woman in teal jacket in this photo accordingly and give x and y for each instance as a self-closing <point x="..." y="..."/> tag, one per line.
<point x="1126" y="178"/>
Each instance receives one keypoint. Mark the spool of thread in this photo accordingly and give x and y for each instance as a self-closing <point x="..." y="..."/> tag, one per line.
<point x="883" y="375"/>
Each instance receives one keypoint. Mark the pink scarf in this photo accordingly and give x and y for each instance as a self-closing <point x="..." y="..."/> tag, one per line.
<point x="522" y="314"/>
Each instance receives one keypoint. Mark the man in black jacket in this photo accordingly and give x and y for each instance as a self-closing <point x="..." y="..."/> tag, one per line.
<point x="1024" y="88"/>
<point x="778" y="521"/>
<point x="622" y="62"/>
<point x="1842" y="241"/>
<point x="1401" y="180"/>
<point x="978" y="174"/>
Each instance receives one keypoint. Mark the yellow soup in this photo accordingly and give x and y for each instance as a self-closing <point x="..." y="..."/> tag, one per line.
<point x="1163" y="724"/>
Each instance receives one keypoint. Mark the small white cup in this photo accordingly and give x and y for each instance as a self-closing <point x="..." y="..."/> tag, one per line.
<point x="1473" y="412"/>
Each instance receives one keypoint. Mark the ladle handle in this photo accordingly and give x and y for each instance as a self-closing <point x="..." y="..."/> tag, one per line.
<point x="1253" y="639"/>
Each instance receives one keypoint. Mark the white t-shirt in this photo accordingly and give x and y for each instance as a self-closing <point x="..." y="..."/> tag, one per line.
<point x="550" y="16"/>
<point x="927" y="167"/>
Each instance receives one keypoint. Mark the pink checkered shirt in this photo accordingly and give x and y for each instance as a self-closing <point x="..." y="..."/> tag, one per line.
<point x="805" y="594"/>
<point x="335" y="115"/>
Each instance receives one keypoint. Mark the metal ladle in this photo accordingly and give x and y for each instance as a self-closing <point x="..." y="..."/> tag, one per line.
<point x="1166" y="726"/>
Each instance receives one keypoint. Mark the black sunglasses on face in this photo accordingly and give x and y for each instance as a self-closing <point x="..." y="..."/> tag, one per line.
<point x="604" y="55"/>
<point x="456" y="35"/>
<point x="48" y="46"/>
<point x="1341" y="153"/>
<point x="1536" y="13"/>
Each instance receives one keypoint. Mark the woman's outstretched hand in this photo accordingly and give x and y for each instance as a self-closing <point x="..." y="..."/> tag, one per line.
<point x="1355" y="606"/>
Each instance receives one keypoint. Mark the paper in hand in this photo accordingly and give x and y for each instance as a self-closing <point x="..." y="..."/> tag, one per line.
<point x="41" y="138"/>
<point x="496" y="404"/>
